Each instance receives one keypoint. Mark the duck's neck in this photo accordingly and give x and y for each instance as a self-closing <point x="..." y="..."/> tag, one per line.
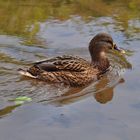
<point x="100" y="61"/>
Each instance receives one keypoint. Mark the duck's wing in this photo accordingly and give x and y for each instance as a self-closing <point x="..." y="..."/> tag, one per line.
<point x="74" y="71"/>
<point x="65" y="63"/>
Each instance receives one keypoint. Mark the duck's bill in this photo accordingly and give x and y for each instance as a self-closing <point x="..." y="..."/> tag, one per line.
<point x="118" y="49"/>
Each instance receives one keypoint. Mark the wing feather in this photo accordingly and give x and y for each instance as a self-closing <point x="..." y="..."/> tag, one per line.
<point x="65" y="63"/>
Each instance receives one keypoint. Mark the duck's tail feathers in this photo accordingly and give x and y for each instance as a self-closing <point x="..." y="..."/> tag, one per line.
<point x="25" y="73"/>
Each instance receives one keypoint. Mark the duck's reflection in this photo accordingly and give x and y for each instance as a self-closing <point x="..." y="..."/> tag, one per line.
<point x="105" y="95"/>
<point x="100" y="91"/>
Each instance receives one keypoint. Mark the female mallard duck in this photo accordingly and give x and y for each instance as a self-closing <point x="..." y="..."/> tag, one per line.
<point x="75" y="71"/>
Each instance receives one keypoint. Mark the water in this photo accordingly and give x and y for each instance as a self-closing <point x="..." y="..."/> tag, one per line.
<point x="34" y="30"/>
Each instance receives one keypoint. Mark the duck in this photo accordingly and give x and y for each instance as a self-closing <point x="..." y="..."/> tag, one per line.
<point x="74" y="70"/>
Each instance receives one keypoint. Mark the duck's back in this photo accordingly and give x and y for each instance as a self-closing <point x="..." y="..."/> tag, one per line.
<point x="71" y="70"/>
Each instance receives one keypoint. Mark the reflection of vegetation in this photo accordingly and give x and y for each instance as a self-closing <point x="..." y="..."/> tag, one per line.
<point x="21" y="18"/>
<point x="5" y="111"/>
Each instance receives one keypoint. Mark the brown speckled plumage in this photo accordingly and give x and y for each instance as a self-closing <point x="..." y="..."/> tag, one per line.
<point x="73" y="70"/>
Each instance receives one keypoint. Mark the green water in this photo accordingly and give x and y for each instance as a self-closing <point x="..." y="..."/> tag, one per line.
<point x="32" y="30"/>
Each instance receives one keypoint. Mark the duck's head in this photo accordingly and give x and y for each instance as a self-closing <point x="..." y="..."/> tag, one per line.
<point x="100" y="45"/>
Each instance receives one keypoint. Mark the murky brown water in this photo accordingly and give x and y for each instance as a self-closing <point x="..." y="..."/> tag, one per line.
<point x="34" y="30"/>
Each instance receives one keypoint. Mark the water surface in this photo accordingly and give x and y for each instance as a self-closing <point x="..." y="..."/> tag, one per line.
<point x="34" y="30"/>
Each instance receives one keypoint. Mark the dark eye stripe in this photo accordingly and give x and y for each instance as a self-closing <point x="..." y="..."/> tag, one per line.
<point x="110" y="42"/>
